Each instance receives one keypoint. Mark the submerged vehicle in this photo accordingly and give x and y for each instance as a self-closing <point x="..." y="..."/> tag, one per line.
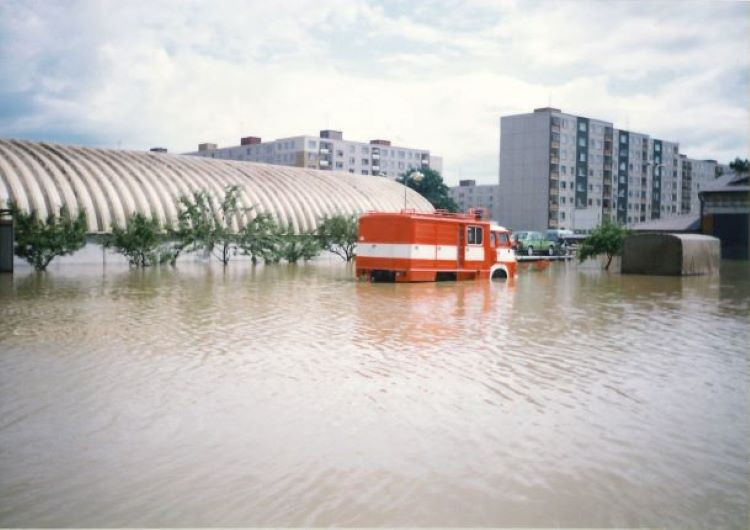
<point x="530" y="243"/>
<point x="409" y="246"/>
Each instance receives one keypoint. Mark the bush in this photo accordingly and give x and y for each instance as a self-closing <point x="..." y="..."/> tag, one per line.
<point x="339" y="234"/>
<point x="39" y="242"/>
<point x="605" y="239"/>
<point x="142" y="241"/>
<point x="260" y="238"/>
<point x="208" y="225"/>
<point x="294" y="247"/>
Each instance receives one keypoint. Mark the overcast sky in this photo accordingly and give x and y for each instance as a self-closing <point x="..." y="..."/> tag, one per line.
<point x="432" y="75"/>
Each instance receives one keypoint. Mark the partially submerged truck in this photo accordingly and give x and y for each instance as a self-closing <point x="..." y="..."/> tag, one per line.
<point x="409" y="246"/>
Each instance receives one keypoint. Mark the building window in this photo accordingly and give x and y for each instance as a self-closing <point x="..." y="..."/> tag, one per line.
<point x="365" y="162"/>
<point x="312" y="144"/>
<point x="582" y="142"/>
<point x="582" y="126"/>
<point x="339" y="152"/>
<point x="582" y="157"/>
<point x="365" y="172"/>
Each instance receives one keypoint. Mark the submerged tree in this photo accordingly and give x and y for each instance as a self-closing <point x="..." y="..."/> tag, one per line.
<point x="339" y="234"/>
<point x="259" y="238"/>
<point x="143" y="241"/>
<point x="294" y="247"/>
<point x="208" y="224"/>
<point x="605" y="239"/>
<point x="40" y="241"/>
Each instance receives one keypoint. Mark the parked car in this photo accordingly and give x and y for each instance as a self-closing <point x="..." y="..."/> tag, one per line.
<point x="562" y="239"/>
<point x="530" y="243"/>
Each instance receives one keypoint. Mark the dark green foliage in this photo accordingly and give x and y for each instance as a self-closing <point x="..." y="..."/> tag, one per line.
<point x="142" y="241"/>
<point x="260" y="238"/>
<point x="39" y="242"/>
<point x="293" y="247"/>
<point x="431" y="187"/>
<point x="209" y="225"/>
<point x="339" y="234"/>
<point x="605" y="239"/>
<point x="739" y="165"/>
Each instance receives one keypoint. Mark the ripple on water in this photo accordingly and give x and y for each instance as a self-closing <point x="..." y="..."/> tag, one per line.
<point x="295" y="396"/>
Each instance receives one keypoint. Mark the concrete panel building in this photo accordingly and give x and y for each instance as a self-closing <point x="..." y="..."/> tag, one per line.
<point x="328" y="152"/>
<point x="111" y="184"/>
<point x="559" y="170"/>
<point x="470" y="195"/>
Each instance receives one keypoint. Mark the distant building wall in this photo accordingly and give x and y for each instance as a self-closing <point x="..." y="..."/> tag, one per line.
<point x="328" y="151"/>
<point x="470" y="195"/>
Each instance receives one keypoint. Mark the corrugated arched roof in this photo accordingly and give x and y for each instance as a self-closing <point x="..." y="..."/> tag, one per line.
<point x="110" y="184"/>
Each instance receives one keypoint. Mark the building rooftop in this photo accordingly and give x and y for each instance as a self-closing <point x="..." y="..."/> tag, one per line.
<point x="681" y="223"/>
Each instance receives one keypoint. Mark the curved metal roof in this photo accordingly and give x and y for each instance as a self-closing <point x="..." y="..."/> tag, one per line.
<point x="110" y="184"/>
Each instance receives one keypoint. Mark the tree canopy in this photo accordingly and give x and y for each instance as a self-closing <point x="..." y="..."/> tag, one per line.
<point x="606" y="239"/>
<point x="339" y="234"/>
<point x="431" y="187"/>
<point x="208" y="224"/>
<point x="740" y="165"/>
<point x="40" y="241"/>
<point x="143" y="241"/>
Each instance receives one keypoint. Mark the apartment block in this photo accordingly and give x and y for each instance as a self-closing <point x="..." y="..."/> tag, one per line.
<point x="328" y="151"/>
<point x="470" y="195"/>
<point x="559" y="170"/>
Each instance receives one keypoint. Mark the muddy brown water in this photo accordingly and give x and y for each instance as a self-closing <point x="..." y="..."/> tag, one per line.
<point x="294" y="395"/>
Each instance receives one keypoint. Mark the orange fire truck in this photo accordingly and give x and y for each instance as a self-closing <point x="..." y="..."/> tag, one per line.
<point x="408" y="246"/>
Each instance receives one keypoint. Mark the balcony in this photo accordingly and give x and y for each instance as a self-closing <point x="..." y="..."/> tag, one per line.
<point x="324" y="151"/>
<point x="554" y="144"/>
<point x="554" y="192"/>
<point x="552" y="223"/>
<point x="554" y="208"/>
<point x="554" y="175"/>
<point x="554" y="160"/>
<point x="324" y="162"/>
<point x="375" y="156"/>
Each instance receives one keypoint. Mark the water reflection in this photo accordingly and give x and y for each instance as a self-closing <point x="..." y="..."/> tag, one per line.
<point x="299" y="396"/>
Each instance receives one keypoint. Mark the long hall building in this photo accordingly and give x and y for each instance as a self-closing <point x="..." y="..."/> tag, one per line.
<point x="111" y="184"/>
<point x="559" y="170"/>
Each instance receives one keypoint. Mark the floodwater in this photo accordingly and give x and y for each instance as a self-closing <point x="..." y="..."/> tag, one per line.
<point x="296" y="396"/>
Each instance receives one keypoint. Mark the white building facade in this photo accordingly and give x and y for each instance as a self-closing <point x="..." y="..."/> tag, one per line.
<point x="328" y="151"/>
<point x="558" y="170"/>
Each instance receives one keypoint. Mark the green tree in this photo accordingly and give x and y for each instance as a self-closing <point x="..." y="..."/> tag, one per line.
<point x="431" y="187"/>
<point x="739" y="165"/>
<point x="39" y="242"/>
<point x="143" y="241"/>
<point x="208" y="224"/>
<point x="293" y="247"/>
<point x="260" y="238"/>
<point x="339" y="234"/>
<point x="605" y="239"/>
